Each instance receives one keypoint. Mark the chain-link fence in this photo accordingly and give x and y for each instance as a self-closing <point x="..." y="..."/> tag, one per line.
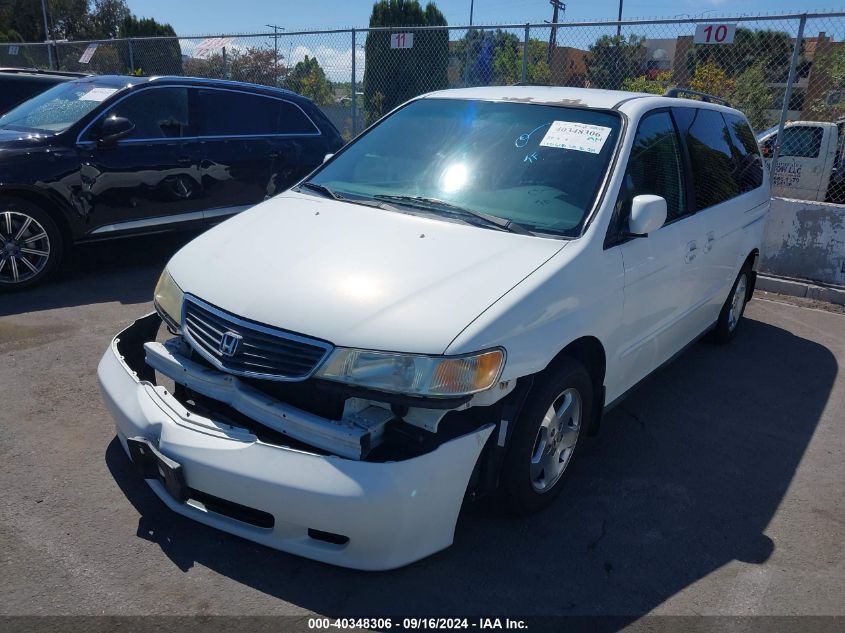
<point x="783" y="71"/>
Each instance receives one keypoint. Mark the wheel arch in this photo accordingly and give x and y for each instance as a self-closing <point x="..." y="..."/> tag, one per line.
<point x="590" y="352"/>
<point x="45" y="202"/>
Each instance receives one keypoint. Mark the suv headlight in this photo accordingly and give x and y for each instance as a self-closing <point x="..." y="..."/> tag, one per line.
<point x="414" y="374"/>
<point x="168" y="300"/>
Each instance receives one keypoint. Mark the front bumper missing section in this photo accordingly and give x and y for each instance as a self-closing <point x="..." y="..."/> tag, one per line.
<point x="392" y="513"/>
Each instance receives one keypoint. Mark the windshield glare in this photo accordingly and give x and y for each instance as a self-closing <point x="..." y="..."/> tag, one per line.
<point x="56" y="109"/>
<point x="540" y="166"/>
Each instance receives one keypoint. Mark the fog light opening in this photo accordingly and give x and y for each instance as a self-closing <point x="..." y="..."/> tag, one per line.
<point x="328" y="537"/>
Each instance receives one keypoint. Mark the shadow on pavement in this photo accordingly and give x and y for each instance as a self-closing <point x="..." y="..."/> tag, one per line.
<point x="685" y="477"/>
<point x="124" y="270"/>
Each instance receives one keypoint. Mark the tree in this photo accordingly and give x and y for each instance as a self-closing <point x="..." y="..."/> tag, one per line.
<point x="392" y="76"/>
<point x="495" y="57"/>
<point x="752" y="96"/>
<point x="108" y="16"/>
<point x="613" y="59"/>
<point x="308" y="79"/>
<point x="255" y="65"/>
<point x="711" y="78"/>
<point x="772" y="49"/>
<point x="656" y="86"/>
<point x="160" y="56"/>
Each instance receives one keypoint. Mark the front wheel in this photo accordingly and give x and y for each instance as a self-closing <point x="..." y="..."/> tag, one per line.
<point x="30" y="244"/>
<point x="734" y="308"/>
<point x="546" y="437"/>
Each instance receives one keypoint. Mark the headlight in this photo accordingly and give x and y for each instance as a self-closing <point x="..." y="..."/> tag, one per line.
<point x="413" y="374"/>
<point x="168" y="299"/>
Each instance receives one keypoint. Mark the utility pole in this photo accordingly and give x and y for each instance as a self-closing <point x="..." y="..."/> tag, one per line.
<point x="557" y="5"/>
<point x="619" y="25"/>
<point x="47" y="37"/>
<point x="276" y="30"/>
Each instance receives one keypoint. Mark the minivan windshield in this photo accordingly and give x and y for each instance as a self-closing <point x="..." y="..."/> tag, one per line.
<point x="56" y="109"/>
<point x="540" y="166"/>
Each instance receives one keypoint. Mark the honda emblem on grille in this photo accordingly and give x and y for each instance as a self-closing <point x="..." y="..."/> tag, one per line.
<point x="230" y="344"/>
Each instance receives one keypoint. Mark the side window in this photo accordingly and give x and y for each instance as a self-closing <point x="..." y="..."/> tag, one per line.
<point x="748" y="165"/>
<point x="156" y="112"/>
<point x="231" y="113"/>
<point x="655" y="166"/>
<point x="802" y="141"/>
<point x="709" y="146"/>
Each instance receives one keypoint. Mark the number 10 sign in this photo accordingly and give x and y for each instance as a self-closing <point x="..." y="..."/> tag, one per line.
<point x="715" y="33"/>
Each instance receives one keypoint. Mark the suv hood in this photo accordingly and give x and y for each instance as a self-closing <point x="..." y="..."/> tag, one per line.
<point x="356" y="276"/>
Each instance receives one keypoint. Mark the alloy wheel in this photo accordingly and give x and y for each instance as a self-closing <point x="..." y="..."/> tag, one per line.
<point x="556" y="439"/>
<point x="24" y="247"/>
<point x="737" y="302"/>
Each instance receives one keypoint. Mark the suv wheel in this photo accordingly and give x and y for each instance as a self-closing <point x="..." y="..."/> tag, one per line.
<point x="734" y="308"/>
<point x="30" y="244"/>
<point x="546" y="437"/>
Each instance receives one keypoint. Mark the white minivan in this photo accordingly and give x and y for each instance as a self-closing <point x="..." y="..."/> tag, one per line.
<point x="443" y="309"/>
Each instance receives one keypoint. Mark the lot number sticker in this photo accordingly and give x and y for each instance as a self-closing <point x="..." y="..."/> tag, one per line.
<point x="97" y="94"/>
<point x="581" y="137"/>
<point x="714" y="34"/>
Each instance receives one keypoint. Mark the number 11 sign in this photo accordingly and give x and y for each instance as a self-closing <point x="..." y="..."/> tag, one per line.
<point x="401" y="40"/>
<point x="715" y="33"/>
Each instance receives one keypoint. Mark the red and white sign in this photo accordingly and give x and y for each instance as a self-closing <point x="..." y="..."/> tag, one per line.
<point x="88" y="53"/>
<point x="714" y="33"/>
<point x="210" y="46"/>
<point x="401" y="40"/>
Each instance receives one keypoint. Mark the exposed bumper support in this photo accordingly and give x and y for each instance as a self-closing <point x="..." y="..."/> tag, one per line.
<point x="392" y="513"/>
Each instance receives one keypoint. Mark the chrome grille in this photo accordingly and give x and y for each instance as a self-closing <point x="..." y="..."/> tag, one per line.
<point x="259" y="351"/>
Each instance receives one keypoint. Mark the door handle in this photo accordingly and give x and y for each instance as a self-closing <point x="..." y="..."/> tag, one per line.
<point x="184" y="160"/>
<point x="708" y="245"/>
<point x="692" y="249"/>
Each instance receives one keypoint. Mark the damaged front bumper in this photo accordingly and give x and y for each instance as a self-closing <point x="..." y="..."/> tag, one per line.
<point x="358" y="514"/>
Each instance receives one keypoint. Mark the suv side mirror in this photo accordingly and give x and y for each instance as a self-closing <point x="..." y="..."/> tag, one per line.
<point x="113" y="129"/>
<point x="648" y="213"/>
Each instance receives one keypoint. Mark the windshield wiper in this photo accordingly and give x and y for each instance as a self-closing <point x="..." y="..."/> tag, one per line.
<point x="315" y="186"/>
<point x="424" y="202"/>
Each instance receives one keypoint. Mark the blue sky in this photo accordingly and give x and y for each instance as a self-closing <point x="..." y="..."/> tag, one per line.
<point x="196" y="17"/>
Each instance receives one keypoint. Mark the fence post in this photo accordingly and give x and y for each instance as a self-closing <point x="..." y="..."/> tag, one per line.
<point x="525" y="54"/>
<point x="354" y="104"/>
<point x="787" y="95"/>
<point x="131" y="57"/>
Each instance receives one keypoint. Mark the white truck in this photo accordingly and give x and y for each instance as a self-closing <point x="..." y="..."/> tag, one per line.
<point x="811" y="161"/>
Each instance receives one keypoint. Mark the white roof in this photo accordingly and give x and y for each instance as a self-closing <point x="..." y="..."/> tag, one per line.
<point x="549" y="95"/>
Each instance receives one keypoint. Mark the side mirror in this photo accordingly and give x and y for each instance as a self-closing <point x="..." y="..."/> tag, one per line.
<point x="327" y="157"/>
<point x="648" y="213"/>
<point x="114" y="128"/>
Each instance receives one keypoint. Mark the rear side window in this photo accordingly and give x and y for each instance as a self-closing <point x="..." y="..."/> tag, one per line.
<point x="802" y="141"/>
<point x="231" y="113"/>
<point x="655" y="165"/>
<point x="748" y="165"/>
<point x="709" y="145"/>
<point x="155" y="112"/>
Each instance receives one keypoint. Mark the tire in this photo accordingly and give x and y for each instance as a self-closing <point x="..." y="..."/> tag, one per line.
<point x="30" y="244"/>
<point x="734" y="308"/>
<point x="532" y="478"/>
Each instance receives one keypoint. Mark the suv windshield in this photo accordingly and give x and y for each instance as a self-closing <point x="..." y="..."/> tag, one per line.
<point x="537" y="165"/>
<point x="56" y="109"/>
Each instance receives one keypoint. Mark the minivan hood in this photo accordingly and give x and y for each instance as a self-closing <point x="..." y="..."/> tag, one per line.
<point x="356" y="276"/>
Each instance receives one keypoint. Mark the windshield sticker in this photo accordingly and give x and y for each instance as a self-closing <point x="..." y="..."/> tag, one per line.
<point x="98" y="94"/>
<point x="581" y="137"/>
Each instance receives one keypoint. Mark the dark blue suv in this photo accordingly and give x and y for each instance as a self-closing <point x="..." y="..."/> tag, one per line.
<point x="110" y="156"/>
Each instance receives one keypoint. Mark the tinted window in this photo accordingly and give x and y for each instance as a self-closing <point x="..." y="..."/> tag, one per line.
<point x="709" y="145"/>
<point x="655" y="166"/>
<point x="802" y="141"/>
<point x="748" y="166"/>
<point x="230" y="113"/>
<point x="155" y="112"/>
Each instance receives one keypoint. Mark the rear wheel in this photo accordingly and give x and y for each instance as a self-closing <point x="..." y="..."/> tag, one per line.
<point x="30" y="244"/>
<point x="734" y="307"/>
<point x="546" y="437"/>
